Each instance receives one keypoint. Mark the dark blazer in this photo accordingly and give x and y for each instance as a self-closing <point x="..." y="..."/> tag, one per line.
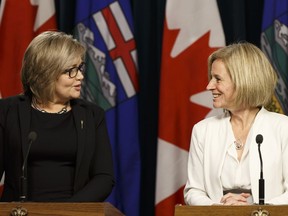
<point x="94" y="177"/>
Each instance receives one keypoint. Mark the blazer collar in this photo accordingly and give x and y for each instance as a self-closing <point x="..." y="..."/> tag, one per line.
<point x="79" y="114"/>
<point x="24" y="108"/>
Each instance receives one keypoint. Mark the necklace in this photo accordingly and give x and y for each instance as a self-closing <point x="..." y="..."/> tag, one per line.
<point x="62" y="111"/>
<point x="238" y="144"/>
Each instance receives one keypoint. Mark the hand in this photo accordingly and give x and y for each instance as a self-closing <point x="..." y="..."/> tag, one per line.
<point x="235" y="199"/>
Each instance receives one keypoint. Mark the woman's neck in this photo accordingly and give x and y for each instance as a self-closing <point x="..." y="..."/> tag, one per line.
<point x="241" y="122"/>
<point x="51" y="107"/>
<point x="244" y="118"/>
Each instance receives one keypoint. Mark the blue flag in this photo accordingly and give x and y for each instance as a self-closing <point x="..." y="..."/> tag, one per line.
<point x="111" y="80"/>
<point x="274" y="43"/>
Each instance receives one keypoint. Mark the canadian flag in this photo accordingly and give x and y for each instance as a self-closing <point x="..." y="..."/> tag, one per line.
<point x="192" y="31"/>
<point x="20" y="22"/>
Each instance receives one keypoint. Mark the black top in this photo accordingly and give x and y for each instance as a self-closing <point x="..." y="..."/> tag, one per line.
<point x="52" y="158"/>
<point x="93" y="178"/>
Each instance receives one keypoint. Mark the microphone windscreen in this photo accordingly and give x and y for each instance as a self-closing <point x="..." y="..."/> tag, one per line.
<point x="259" y="139"/>
<point x="32" y="136"/>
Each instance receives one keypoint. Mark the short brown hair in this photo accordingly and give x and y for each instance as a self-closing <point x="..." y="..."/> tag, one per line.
<point x="45" y="59"/>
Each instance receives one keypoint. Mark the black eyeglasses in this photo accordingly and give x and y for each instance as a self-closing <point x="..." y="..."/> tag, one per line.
<point x="72" y="72"/>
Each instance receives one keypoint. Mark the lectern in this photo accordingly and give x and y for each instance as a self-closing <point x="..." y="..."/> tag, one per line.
<point x="58" y="209"/>
<point x="251" y="210"/>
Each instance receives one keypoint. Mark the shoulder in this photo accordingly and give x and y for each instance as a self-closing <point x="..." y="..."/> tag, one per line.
<point x="212" y="121"/>
<point x="12" y="101"/>
<point x="211" y="125"/>
<point x="273" y="116"/>
<point x="271" y="123"/>
<point x="88" y="106"/>
<point x="10" y="105"/>
<point x="85" y="104"/>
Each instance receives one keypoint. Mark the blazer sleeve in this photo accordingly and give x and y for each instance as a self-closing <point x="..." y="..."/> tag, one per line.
<point x="2" y="119"/>
<point x="101" y="174"/>
<point x="277" y="174"/>
<point x="194" y="191"/>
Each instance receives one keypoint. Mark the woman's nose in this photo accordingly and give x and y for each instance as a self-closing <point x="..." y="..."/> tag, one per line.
<point x="211" y="85"/>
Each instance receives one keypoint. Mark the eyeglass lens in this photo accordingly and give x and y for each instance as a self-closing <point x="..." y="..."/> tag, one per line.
<point x="74" y="71"/>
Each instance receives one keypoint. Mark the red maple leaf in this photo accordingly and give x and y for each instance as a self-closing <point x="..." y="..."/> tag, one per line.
<point x="181" y="77"/>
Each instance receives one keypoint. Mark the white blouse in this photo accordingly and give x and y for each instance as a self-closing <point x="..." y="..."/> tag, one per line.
<point x="235" y="173"/>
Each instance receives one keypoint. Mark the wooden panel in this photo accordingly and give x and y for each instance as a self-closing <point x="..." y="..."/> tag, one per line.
<point x="61" y="209"/>
<point x="251" y="210"/>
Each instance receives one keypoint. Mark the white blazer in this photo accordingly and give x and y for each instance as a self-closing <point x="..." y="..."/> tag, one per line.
<point x="210" y="140"/>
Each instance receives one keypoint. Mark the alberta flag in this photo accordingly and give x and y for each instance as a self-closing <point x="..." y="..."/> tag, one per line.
<point x="274" y="43"/>
<point x="105" y="27"/>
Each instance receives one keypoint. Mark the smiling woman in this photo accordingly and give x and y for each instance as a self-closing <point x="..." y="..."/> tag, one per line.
<point x="221" y="85"/>
<point x="223" y="162"/>
<point x="71" y="158"/>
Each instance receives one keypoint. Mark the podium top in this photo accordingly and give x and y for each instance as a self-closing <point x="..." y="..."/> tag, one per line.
<point x="221" y="210"/>
<point x="60" y="209"/>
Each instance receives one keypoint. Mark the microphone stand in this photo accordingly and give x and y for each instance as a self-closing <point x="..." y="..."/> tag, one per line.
<point x="261" y="180"/>
<point x="23" y="179"/>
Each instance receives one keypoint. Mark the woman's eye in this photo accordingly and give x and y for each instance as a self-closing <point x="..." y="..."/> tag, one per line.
<point x="218" y="79"/>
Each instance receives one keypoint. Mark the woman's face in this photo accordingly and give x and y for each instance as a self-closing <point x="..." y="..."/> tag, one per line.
<point x="67" y="88"/>
<point x="221" y="86"/>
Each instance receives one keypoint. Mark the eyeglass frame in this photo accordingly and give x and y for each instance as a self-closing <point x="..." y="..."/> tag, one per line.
<point x="80" y="68"/>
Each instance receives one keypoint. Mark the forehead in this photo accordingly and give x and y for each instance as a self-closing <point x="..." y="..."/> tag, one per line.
<point x="218" y="68"/>
<point x="74" y="62"/>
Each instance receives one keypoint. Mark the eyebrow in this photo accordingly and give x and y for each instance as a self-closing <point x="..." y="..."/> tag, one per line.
<point x="75" y="65"/>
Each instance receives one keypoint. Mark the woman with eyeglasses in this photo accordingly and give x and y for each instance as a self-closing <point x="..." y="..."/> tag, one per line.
<point x="54" y="146"/>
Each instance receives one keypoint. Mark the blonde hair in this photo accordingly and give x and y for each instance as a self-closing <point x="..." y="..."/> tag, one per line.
<point x="45" y="59"/>
<point x="250" y="71"/>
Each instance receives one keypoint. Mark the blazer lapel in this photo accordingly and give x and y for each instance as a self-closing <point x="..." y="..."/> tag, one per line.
<point x="79" y="114"/>
<point x="24" y="109"/>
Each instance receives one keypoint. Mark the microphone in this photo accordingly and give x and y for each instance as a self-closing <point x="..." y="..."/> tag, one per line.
<point x="23" y="189"/>
<point x="259" y="140"/>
